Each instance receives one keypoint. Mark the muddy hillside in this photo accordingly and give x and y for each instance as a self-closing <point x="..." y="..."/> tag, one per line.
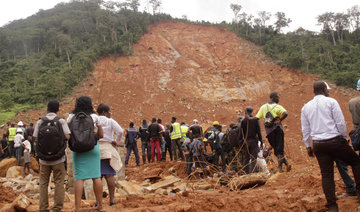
<point x="208" y="73"/>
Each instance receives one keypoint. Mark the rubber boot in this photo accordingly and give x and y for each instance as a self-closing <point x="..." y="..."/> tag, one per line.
<point x="280" y="161"/>
<point x="288" y="166"/>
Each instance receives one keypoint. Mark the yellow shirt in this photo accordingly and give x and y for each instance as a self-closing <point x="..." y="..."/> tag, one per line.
<point x="275" y="109"/>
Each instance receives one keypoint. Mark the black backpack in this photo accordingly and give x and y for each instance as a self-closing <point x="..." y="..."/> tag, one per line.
<point x="355" y="138"/>
<point x="269" y="118"/>
<point x="82" y="137"/>
<point x="51" y="142"/>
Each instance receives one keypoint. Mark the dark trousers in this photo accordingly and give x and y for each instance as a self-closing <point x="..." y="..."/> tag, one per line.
<point x="189" y="163"/>
<point x="250" y="153"/>
<point x="132" y="146"/>
<point x="168" y="149"/>
<point x="326" y="153"/>
<point x="199" y="161"/>
<point x="146" y="151"/>
<point x="276" y="140"/>
<point x="11" y="149"/>
<point x="176" y="147"/>
<point x="220" y="153"/>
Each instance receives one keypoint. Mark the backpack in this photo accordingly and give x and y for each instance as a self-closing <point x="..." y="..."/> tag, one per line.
<point x="51" y="143"/>
<point x="355" y="138"/>
<point x="269" y="118"/>
<point x="82" y="137"/>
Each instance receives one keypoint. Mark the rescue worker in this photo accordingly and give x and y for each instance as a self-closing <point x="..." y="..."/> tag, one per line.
<point x="175" y="134"/>
<point x="145" y="142"/>
<point x="12" y="133"/>
<point x="184" y="131"/>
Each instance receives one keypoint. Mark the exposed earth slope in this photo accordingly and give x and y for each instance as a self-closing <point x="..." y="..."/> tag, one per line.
<point x="208" y="73"/>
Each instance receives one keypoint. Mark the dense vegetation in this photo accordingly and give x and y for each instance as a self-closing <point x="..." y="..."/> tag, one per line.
<point x="46" y="55"/>
<point x="334" y="53"/>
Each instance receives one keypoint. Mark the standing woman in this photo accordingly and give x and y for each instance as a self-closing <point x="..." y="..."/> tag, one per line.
<point x="110" y="158"/>
<point x="87" y="164"/>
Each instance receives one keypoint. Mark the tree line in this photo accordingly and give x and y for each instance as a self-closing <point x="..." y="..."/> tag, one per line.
<point x="334" y="53"/>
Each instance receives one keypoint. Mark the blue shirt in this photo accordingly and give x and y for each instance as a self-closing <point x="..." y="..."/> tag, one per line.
<point x="196" y="147"/>
<point x="132" y="134"/>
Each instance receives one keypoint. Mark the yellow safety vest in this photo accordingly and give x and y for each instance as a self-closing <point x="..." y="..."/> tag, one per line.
<point x="176" y="132"/>
<point x="184" y="130"/>
<point x="12" y="133"/>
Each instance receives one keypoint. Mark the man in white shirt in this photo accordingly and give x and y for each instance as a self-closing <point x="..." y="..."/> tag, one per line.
<point x="322" y="121"/>
<point x="18" y="139"/>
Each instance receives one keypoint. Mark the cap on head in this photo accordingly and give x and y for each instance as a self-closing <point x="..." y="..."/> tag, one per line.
<point x="215" y="123"/>
<point x="195" y="121"/>
<point x="20" y="123"/>
<point x="18" y="130"/>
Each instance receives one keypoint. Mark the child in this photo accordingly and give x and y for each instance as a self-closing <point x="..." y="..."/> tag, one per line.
<point x="27" y="149"/>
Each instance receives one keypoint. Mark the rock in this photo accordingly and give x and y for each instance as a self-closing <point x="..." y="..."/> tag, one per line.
<point x="169" y="180"/>
<point x="7" y="208"/>
<point x="89" y="191"/>
<point x="130" y="187"/>
<point x="21" y="202"/>
<point x="29" y="177"/>
<point x="10" y="162"/>
<point x="14" y="172"/>
<point x="161" y="191"/>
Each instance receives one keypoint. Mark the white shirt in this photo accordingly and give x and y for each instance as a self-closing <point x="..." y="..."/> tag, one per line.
<point x="17" y="140"/>
<point x="321" y="119"/>
<point x="112" y="130"/>
<point x="27" y="146"/>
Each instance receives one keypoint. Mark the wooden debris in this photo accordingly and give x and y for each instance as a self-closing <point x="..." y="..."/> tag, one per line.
<point x="247" y="181"/>
<point x="168" y="181"/>
<point x="130" y="187"/>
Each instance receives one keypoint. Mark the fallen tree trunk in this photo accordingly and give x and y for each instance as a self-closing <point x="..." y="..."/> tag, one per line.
<point x="247" y="181"/>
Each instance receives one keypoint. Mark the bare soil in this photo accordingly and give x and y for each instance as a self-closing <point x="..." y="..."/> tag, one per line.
<point x="208" y="73"/>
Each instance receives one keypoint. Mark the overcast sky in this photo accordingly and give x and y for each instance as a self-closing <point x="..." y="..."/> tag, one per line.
<point x="302" y="12"/>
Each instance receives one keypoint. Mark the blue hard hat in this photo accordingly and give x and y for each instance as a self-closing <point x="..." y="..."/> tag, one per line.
<point x="358" y="85"/>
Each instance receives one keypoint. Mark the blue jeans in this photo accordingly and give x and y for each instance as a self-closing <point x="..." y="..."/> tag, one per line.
<point x="18" y="151"/>
<point x="344" y="173"/>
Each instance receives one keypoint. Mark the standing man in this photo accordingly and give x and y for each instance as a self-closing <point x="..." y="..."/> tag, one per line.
<point x="154" y="131"/>
<point x="18" y="139"/>
<point x="322" y="121"/>
<point x="12" y="133"/>
<point x="196" y="130"/>
<point x="52" y="163"/>
<point x="175" y="133"/>
<point x="131" y="135"/>
<point x="145" y="142"/>
<point x="167" y="139"/>
<point x="251" y="133"/>
<point x="215" y="139"/>
<point x="274" y="114"/>
<point x="162" y="140"/>
<point x="354" y="107"/>
<point x="29" y="136"/>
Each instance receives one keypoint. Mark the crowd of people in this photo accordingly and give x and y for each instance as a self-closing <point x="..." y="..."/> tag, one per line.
<point x="240" y="149"/>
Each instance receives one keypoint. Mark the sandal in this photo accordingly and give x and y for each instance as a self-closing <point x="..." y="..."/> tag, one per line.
<point x="112" y="203"/>
<point x="100" y="209"/>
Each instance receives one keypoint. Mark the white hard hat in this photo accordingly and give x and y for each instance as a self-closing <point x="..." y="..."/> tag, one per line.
<point x="18" y="130"/>
<point x="20" y="123"/>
